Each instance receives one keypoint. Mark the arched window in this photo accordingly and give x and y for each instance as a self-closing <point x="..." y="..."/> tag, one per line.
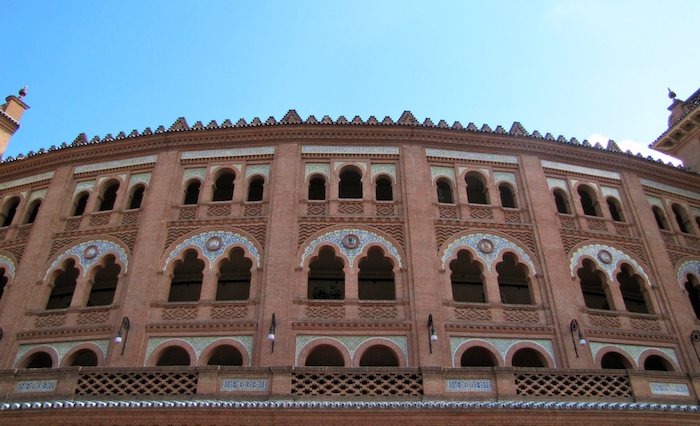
<point x="136" y="197"/>
<point x="507" y="196"/>
<point x="186" y="284"/>
<point x="513" y="282"/>
<point x="173" y="355"/>
<point x="467" y="279"/>
<point x="105" y="283"/>
<point x="234" y="277"/>
<point x="614" y="361"/>
<point x="562" y="202"/>
<point x="40" y="360"/>
<point x="477" y="357"/>
<point x="33" y="211"/>
<point x="589" y="201"/>
<point x="693" y="288"/>
<point x="632" y="291"/>
<point x="477" y="193"/>
<point x="80" y="204"/>
<point x="63" y="286"/>
<point x="109" y="196"/>
<point x="657" y="363"/>
<point x="682" y="219"/>
<point x="595" y="293"/>
<point x="223" y="187"/>
<point x="225" y="355"/>
<point x="444" y="191"/>
<point x="379" y="356"/>
<point x="9" y="212"/>
<point x="256" y="188"/>
<point x="325" y="356"/>
<point x="697" y="221"/>
<point x="383" y="189"/>
<point x="529" y="358"/>
<point x="317" y="188"/>
<point x="615" y="210"/>
<point x="350" y="183"/>
<point x="83" y="358"/>
<point x="326" y="276"/>
<point x="3" y="281"/>
<point x="660" y="218"/>
<point x="375" y="280"/>
<point x="192" y="192"/>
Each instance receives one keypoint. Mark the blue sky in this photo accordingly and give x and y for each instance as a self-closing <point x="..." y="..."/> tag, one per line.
<point x="577" y="68"/>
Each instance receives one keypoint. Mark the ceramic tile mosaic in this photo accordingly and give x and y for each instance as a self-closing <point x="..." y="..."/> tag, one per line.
<point x="668" y="188"/>
<point x="90" y="253"/>
<point x="116" y="164"/>
<point x="360" y="150"/>
<point x="25" y="181"/>
<point x="496" y="245"/>
<point x="474" y="156"/>
<point x="688" y="267"/>
<point x="227" y="153"/>
<point x="214" y="245"/>
<point x="634" y="351"/>
<point x="365" y="238"/>
<point x="437" y="171"/>
<point x="503" y="346"/>
<point x="579" y="169"/>
<point x="596" y="252"/>
<point x="351" y="343"/>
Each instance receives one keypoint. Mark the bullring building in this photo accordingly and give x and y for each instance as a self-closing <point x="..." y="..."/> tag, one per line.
<point x="349" y="270"/>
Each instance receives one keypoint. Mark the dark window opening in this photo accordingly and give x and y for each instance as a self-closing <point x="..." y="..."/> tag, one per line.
<point x="317" y="189"/>
<point x="136" y="197"/>
<point x="105" y="283"/>
<point x="63" y="287"/>
<point x="80" y="204"/>
<point x="109" y="197"/>
<point x="10" y="212"/>
<point x="632" y="291"/>
<point x="691" y="286"/>
<point x="33" y="211"/>
<point x="589" y="204"/>
<point x="379" y="356"/>
<point x="513" y="282"/>
<point x="350" y="183"/>
<point x="234" y="277"/>
<point x="477" y="193"/>
<point x="192" y="192"/>
<point x="84" y="358"/>
<point x="40" y="360"/>
<point x="223" y="187"/>
<point x="682" y="219"/>
<point x="172" y="356"/>
<point x="614" y="361"/>
<point x="325" y="356"/>
<point x="255" y="189"/>
<point x="225" y="355"/>
<point x="444" y="192"/>
<point x="466" y="278"/>
<point x="561" y="201"/>
<point x="528" y="358"/>
<point x="660" y="218"/>
<point x="376" y="277"/>
<point x="383" y="189"/>
<point x="186" y="284"/>
<point x="507" y="196"/>
<point x="326" y="276"/>
<point x="3" y="281"/>
<point x="657" y="363"/>
<point x="595" y="295"/>
<point x="477" y="357"/>
<point x="615" y="210"/>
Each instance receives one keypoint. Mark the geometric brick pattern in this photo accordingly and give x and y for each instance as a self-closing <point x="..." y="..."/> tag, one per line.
<point x="448" y="212"/>
<point x="253" y="210"/>
<point x="357" y="384"/>
<point x="483" y="213"/>
<point x="187" y="213"/>
<point x="597" y="225"/>
<point x="219" y="210"/>
<point x="573" y="385"/>
<point x="645" y="324"/>
<point x="473" y="314"/>
<point x="137" y="383"/>
<point x="623" y="230"/>
<point x="93" y="317"/>
<point x="567" y="222"/>
<point x="50" y="320"/>
<point x="316" y="209"/>
<point x="130" y="218"/>
<point x="378" y="311"/>
<point x="351" y="207"/>
<point x="325" y="311"/>
<point x="385" y="209"/>
<point x="512" y="217"/>
<point x="73" y="224"/>
<point x="100" y="219"/>
<point x="179" y="313"/>
<point x="23" y="231"/>
<point x="520" y="315"/>
<point x="229" y="312"/>
<point x="604" y="321"/>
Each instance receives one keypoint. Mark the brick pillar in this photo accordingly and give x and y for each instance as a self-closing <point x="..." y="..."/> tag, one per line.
<point x="210" y="279"/>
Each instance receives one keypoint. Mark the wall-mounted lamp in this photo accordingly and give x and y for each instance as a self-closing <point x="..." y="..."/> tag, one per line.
<point x="576" y="334"/>
<point x="271" y="333"/>
<point x="431" y="331"/>
<point x="123" y="333"/>
<point x="694" y="339"/>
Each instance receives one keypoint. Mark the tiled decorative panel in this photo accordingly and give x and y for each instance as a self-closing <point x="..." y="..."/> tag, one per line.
<point x="25" y="181"/>
<point x="360" y="150"/>
<point x="9" y="266"/>
<point x="200" y="343"/>
<point x="384" y="169"/>
<point x="258" y="169"/>
<point x="61" y="348"/>
<point x="437" y="171"/>
<point x="317" y="168"/>
<point x="503" y="346"/>
<point x="213" y="245"/>
<point x="606" y="258"/>
<point x="351" y="242"/>
<point x="672" y="189"/>
<point x="634" y="351"/>
<point x="89" y="253"/>
<point x="579" y="169"/>
<point x="226" y="153"/>
<point x="116" y="164"/>
<point x="475" y="156"/>
<point x="487" y="248"/>
<point x="688" y="267"/>
<point x="351" y="343"/>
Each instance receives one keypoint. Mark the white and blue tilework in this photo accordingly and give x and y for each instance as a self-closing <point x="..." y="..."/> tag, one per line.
<point x="228" y="240"/>
<point x="365" y="238"/>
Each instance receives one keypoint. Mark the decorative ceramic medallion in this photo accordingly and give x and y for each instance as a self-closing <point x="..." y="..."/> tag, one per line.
<point x="350" y="241"/>
<point x="214" y="243"/>
<point x="605" y="256"/>
<point x="90" y="252"/>
<point x="485" y="245"/>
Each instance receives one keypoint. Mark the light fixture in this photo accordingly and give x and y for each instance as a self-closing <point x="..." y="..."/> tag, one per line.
<point x="432" y="334"/>
<point x="576" y="333"/>
<point x="123" y="333"/>
<point x="694" y="339"/>
<point x="271" y="332"/>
